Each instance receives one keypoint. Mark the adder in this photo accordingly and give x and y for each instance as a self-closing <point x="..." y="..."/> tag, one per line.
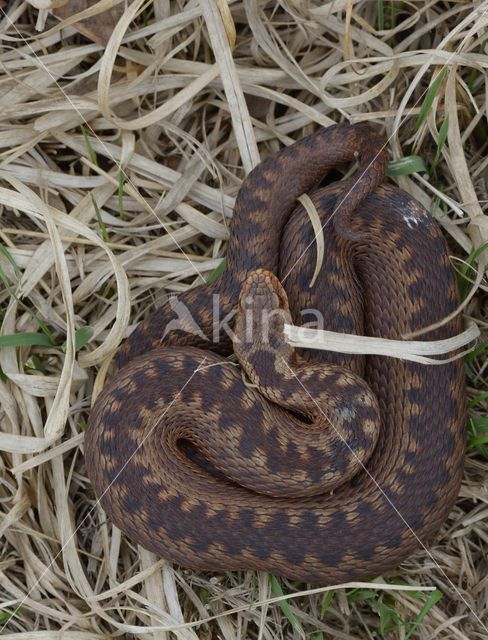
<point x="327" y="467"/>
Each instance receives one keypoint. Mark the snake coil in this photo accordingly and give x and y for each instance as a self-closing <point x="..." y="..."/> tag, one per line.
<point x="331" y="467"/>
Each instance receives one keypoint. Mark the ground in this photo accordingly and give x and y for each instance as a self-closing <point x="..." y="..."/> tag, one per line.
<point x="124" y="138"/>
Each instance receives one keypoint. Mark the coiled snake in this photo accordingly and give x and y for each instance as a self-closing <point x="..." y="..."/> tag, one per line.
<point x="330" y="467"/>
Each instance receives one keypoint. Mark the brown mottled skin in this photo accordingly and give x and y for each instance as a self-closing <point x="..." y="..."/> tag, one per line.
<point x="203" y="469"/>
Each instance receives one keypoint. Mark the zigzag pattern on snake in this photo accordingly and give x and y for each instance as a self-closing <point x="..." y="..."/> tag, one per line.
<point x="335" y="467"/>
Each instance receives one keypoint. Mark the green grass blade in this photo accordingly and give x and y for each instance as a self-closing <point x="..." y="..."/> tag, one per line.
<point x="467" y="270"/>
<point x="389" y="618"/>
<point x="433" y="599"/>
<point x="216" y="272"/>
<point x="478" y="399"/>
<point x="90" y="149"/>
<point x="475" y="442"/>
<point x="25" y="339"/>
<point x="387" y="19"/>
<point x="34" y="362"/>
<point x="285" y="607"/>
<point x="477" y="351"/>
<point x="406" y="166"/>
<point x="101" y="223"/>
<point x="5" y="252"/>
<point x="429" y="98"/>
<point x="356" y="595"/>
<point x="42" y="326"/>
<point x="440" y="143"/>
<point x="7" y="615"/>
<point x="394" y="8"/>
<point x="479" y="423"/>
<point x="82" y="336"/>
<point x="329" y="596"/>
<point x="381" y="15"/>
<point x="478" y="435"/>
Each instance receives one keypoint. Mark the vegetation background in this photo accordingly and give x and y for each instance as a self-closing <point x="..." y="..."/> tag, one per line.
<point x="126" y="129"/>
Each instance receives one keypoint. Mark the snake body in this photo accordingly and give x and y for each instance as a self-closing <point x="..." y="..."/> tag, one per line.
<point x="332" y="467"/>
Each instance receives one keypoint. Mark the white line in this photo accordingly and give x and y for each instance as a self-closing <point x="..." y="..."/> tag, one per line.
<point x="218" y="364"/>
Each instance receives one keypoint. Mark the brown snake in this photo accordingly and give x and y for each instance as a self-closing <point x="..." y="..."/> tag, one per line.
<point x="335" y="467"/>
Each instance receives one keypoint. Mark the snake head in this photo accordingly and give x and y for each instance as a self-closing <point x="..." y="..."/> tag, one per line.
<point x="262" y="291"/>
<point x="259" y="328"/>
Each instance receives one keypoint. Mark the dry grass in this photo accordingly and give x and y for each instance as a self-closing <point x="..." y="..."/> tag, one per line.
<point x="138" y="199"/>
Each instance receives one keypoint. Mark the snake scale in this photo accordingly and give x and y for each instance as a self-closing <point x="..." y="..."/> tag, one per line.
<point x="328" y="467"/>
